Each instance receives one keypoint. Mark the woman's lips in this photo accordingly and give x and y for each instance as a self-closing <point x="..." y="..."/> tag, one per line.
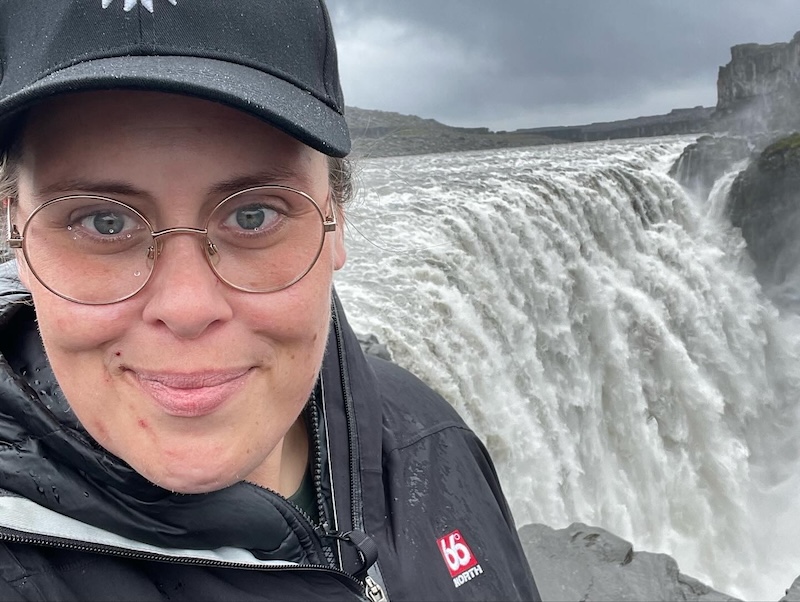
<point x="193" y="394"/>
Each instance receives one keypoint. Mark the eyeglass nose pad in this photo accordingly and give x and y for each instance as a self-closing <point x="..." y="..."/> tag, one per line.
<point x="154" y="250"/>
<point x="212" y="251"/>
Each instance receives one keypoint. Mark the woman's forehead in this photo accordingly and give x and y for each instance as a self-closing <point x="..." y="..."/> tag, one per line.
<point x="85" y="112"/>
<point x="121" y="134"/>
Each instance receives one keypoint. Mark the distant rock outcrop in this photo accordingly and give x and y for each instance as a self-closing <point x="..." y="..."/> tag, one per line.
<point x="384" y="134"/>
<point x="758" y="90"/>
<point x="677" y="121"/>
<point x="758" y="102"/>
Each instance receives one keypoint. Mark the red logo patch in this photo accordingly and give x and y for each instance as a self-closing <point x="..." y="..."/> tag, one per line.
<point x="456" y="553"/>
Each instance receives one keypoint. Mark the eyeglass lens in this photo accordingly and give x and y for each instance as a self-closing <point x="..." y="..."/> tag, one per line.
<point x="95" y="250"/>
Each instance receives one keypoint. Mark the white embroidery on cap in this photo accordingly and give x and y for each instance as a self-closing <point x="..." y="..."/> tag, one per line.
<point x="129" y="4"/>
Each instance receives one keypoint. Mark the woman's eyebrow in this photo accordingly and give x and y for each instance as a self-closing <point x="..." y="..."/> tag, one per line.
<point x="282" y="176"/>
<point x="103" y="187"/>
<point x="229" y="186"/>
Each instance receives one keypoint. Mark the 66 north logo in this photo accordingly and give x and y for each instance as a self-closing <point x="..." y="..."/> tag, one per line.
<point x="460" y="560"/>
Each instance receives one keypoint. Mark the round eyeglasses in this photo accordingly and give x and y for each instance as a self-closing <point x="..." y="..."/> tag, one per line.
<point x="96" y="250"/>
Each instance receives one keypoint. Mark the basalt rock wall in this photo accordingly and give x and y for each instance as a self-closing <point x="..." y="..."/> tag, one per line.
<point x="758" y="103"/>
<point x="759" y="88"/>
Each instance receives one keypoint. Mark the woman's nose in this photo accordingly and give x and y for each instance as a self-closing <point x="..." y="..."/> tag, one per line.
<point x="184" y="293"/>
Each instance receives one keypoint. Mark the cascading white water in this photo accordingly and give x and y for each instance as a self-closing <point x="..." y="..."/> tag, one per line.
<point x="604" y="335"/>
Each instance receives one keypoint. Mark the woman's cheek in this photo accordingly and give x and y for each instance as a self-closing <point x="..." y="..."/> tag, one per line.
<point x="67" y="326"/>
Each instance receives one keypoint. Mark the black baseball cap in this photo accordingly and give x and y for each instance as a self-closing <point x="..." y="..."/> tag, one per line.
<point x="275" y="59"/>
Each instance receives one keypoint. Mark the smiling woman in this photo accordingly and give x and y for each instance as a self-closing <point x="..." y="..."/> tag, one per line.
<point x="184" y="411"/>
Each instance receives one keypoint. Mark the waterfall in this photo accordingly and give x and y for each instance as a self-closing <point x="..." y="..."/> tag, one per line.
<point x="604" y="335"/>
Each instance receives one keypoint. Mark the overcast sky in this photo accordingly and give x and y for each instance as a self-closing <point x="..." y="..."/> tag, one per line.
<point x="509" y="64"/>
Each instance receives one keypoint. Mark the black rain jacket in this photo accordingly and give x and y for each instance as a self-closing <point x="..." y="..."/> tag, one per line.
<point x="411" y="508"/>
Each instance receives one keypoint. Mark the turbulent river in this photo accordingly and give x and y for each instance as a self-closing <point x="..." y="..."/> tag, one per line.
<point x="603" y="333"/>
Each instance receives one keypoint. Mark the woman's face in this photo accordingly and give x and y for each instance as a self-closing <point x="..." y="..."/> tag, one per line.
<point x="191" y="382"/>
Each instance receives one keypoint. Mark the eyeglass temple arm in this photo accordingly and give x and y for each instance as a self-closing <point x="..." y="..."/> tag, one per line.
<point x="14" y="238"/>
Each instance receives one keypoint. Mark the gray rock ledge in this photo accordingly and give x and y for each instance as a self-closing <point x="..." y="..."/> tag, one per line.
<point x="588" y="563"/>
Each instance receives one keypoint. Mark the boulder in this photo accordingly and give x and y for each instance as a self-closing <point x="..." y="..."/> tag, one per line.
<point x="793" y="593"/>
<point x="372" y="346"/>
<point x="589" y="563"/>
<point x="708" y="159"/>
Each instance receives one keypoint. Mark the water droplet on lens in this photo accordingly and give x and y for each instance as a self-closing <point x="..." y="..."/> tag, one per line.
<point x="85" y="494"/>
<point x="137" y="274"/>
<point x="40" y="489"/>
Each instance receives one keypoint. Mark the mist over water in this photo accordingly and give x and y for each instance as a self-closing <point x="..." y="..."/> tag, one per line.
<point x="603" y="333"/>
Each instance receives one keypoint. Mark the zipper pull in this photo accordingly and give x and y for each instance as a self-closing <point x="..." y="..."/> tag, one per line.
<point x="365" y="546"/>
<point x="374" y="591"/>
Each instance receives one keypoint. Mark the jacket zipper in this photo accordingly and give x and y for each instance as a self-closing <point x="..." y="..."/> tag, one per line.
<point x="314" y="420"/>
<point x="93" y="548"/>
<point x="355" y="489"/>
<point x="371" y="588"/>
<point x="375" y="591"/>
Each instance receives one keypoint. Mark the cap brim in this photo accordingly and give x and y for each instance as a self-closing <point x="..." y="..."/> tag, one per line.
<point x="276" y="101"/>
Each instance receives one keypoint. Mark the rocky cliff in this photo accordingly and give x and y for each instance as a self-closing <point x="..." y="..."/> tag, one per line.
<point x="758" y="103"/>
<point x="765" y="203"/>
<point x="758" y="89"/>
<point x="383" y="133"/>
<point x="677" y="121"/>
<point x="759" y="106"/>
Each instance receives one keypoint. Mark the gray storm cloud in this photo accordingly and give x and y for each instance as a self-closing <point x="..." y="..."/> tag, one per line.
<point x="522" y="63"/>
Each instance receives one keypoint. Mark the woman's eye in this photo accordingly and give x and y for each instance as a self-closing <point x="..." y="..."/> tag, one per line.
<point x="252" y="218"/>
<point x="106" y="223"/>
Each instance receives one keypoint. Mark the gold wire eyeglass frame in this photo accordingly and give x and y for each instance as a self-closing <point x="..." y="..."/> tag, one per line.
<point x="16" y="240"/>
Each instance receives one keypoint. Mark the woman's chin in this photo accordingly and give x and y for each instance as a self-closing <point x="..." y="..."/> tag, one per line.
<point x="191" y="479"/>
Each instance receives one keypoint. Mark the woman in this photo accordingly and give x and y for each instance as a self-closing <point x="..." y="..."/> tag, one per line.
<point x="185" y="412"/>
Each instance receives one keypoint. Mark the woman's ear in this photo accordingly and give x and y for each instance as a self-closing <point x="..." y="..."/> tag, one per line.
<point x="339" y="249"/>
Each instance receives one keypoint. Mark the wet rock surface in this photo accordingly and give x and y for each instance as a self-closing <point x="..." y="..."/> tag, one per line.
<point x="589" y="563"/>
<point x="702" y="163"/>
<point x="793" y="593"/>
<point x="372" y="346"/>
<point x="765" y="203"/>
